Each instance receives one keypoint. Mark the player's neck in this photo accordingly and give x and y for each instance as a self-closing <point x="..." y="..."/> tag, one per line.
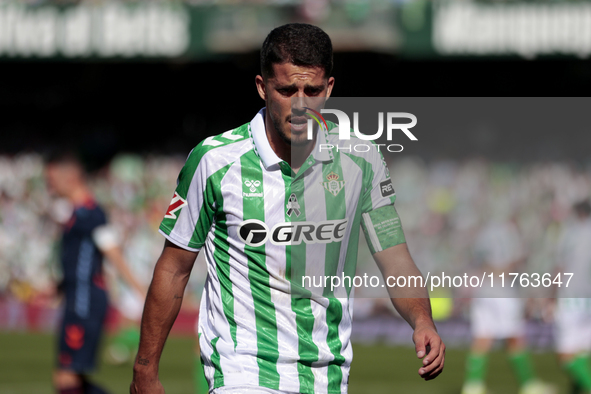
<point x="294" y="156"/>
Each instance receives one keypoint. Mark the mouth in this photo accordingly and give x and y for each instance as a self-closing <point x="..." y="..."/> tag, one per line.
<point x="299" y="123"/>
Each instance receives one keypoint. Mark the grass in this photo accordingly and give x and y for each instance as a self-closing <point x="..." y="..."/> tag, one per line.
<point x="26" y="361"/>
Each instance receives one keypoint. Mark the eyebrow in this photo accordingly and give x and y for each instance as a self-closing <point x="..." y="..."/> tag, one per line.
<point x="306" y="86"/>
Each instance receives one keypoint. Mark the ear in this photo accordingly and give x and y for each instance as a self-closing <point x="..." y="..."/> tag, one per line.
<point x="261" y="87"/>
<point x="329" y="87"/>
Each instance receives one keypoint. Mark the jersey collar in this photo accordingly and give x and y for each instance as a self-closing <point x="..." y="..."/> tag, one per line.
<point x="261" y="143"/>
<point x="321" y="139"/>
<point x="267" y="154"/>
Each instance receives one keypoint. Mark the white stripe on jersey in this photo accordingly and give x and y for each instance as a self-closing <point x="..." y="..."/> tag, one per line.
<point x="243" y="302"/>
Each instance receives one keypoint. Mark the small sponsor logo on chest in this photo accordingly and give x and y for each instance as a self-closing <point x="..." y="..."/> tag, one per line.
<point x="252" y="186"/>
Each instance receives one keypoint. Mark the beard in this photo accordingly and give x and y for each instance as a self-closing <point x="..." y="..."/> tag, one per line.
<point x="286" y="134"/>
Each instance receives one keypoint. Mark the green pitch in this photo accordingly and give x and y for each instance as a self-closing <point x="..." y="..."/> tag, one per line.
<point x="26" y="361"/>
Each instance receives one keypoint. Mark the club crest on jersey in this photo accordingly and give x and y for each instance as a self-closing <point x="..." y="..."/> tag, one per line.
<point x="293" y="207"/>
<point x="177" y="203"/>
<point x="252" y="186"/>
<point x="332" y="184"/>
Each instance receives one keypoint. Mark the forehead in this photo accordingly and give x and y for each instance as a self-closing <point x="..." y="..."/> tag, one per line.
<point x="60" y="167"/>
<point x="289" y="72"/>
<point x="51" y="167"/>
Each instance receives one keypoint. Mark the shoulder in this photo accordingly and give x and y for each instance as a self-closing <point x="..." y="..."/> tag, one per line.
<point x="91" y="213"/>
<point x="227" y="142"/>
<point x="216" y="152"/>
<point x="367" y="150"/>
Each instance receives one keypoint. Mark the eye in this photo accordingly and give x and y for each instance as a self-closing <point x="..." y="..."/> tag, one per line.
<point x="287" y="91"/>
<point x="313" y="91"/>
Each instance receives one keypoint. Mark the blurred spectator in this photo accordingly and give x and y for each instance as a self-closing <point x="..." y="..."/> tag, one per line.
<point x="573" y="315"/>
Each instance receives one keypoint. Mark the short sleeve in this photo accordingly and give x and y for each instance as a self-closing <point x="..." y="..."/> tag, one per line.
<point x="379" y="190"/>
<point x="189" y="216"/>
<point x="106" y="237"/>
<point x="380" y="221"/>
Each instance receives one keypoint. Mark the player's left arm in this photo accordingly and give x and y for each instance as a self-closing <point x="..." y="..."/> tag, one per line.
<point x="383" y="231"/>
<point x="115" y="256"/>
<point x="412" y="302"/>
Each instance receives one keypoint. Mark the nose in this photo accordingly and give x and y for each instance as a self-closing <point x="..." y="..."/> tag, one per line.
<point x="298" y="102"/>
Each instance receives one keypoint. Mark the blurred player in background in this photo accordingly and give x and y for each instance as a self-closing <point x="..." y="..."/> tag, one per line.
<point x="573" y="315"/>
<point x="86" y="239"/>
<point x="499" y="249"/>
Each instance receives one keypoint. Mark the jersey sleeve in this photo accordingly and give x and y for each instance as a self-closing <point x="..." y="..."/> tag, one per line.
<point x="379" y="190"/>
<point x="380" y="221"/>
<point x="189" y="216"/>
<point x="106" y="237"/>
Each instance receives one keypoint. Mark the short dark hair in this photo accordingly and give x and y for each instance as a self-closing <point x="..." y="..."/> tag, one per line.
<point x="62" y="155"/>
<point x="297" y="43"/>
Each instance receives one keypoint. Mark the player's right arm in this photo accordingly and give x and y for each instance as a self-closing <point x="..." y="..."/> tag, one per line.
<point x="185" y="225"/>
<point x="163" y="303"/>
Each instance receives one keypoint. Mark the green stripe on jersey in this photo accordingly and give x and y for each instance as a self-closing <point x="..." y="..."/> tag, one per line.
<point x="364" y="203"/>
<point x="334" y="315"/>
<point x="335" y="209"/>
<point x="258" y="275"/>
<point x="222" y="266"/>
<point x="218" y="377"/>
<point x="335" y="205"/>
<point x="300" y="302"/>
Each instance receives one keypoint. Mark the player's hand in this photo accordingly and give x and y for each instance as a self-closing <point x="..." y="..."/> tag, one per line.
<point x="431" y="349"/>
<point x="145" y="385"/>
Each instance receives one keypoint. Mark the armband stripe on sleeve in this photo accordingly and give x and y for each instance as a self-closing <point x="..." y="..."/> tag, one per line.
<point x="382" y="228"/>
<point x="371" y="232"/>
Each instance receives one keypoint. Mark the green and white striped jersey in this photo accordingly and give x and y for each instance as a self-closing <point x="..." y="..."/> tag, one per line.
<point x="260" y="228"/>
